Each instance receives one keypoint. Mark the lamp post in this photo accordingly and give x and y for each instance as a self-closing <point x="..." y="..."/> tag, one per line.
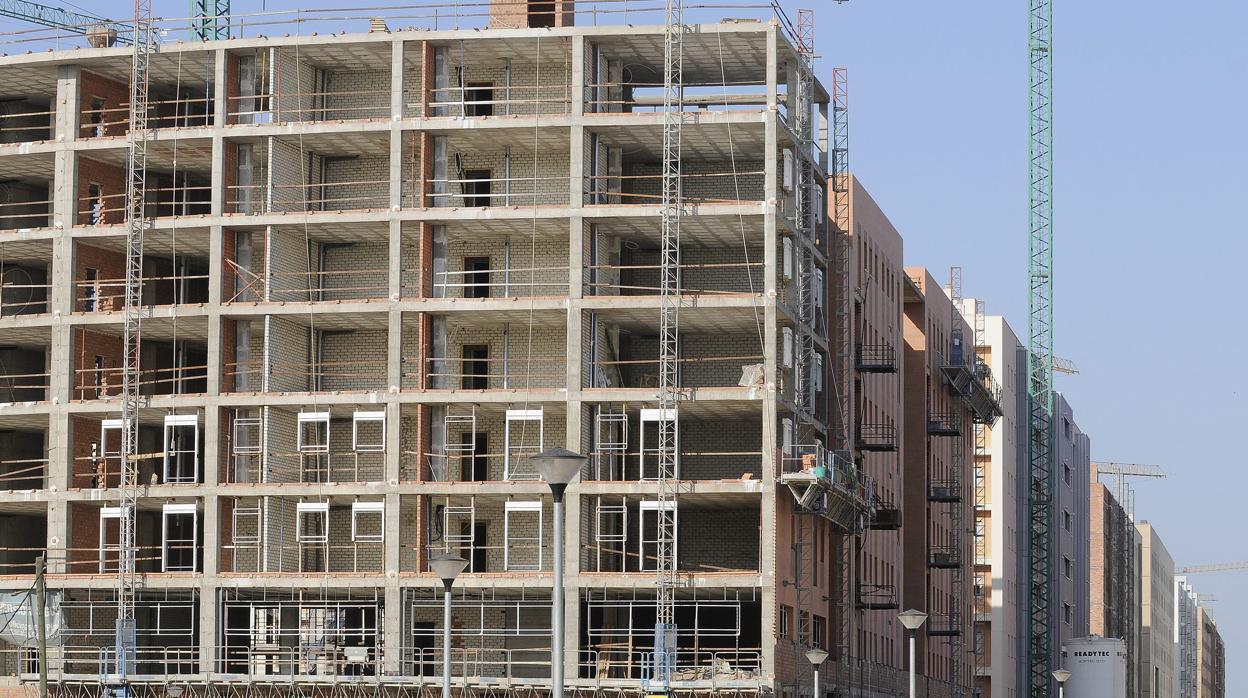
<point x="816" y="657"/>
<point x="1062" y="677"/>
<point x="448" y="567"/>
<point x="913" y="620"/>
<point x="558" y="467"/>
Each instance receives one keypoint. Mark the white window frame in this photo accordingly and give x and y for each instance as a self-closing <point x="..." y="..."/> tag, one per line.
<point x="656" y="415"/>
<point x="358" y="418"/>
<point x="786" y="346"/>
<point x="368" y="509"/>
<point x="305" y="418"/>
<point x="511" y="507"/>
<point x="173" y="423"/>
<point x="310" y="508"/>
<point x="787" y="175"/>
<point x="238" y="515"/>
<point x="241" y="426"/>
<point x="107" y="513"/>
<point x="786" y="257"/>
<point x="654" y="506"/>
<point x="511" y="472"/>
<point x="170" y="510"/>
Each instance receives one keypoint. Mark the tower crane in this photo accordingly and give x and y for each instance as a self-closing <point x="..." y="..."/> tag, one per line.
<point x="1218" y="567"/>
<point x="210" y="20"/>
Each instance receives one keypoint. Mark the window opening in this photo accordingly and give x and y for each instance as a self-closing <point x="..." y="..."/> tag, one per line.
<point x="523" y="435"/>
<point x="522" y="536"/>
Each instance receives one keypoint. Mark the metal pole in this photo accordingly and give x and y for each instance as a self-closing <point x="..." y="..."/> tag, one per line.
<point x="913" y="693"/>
<point x="1061" y="690"/>
<point x="816" y="682"/>
<point x="556" y="600"/>
<point x="41" y="625"/>
<point x="446" y="641"/>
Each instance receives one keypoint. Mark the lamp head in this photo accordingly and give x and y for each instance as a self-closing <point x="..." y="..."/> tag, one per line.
<point x="816" y="657"/>
<point x="912" y="619"/>
<point x="447" y="567"/>
<point x="558" y="467"/>
<point x="1061" y="675"/>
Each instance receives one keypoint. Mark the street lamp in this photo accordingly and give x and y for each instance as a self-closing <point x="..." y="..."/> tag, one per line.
<point x="558" y="467"/>
<point x="913" y="620"/>
<point x="447" y="567"/>
<point x="816" y="657"/>
<point x="1062" y="677"/>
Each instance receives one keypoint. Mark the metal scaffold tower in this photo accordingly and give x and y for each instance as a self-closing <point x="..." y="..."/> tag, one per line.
<point x="1040" y="347"/>
<point x="842" y="380"/>
<point x="669" y="322"/>
<point x="136" y="226"/>
<point x="210" y="19"/>
<point x="956" y="485"/>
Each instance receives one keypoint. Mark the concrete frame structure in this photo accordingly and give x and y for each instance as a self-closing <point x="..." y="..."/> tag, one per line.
<point x="1187" y="619"/>
<point x="1157" y="647"/>
<point x="999" y="451"/>
<point x="1114" y="574"/>
<point x="388" y="267"/>
<point x="1210" y="658"/>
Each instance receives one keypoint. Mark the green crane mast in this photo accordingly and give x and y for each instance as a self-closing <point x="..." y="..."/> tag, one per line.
<point x="1040" y="348"/>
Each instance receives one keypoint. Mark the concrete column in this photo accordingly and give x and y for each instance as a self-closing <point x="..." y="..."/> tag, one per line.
<point x="216" y="286"/>
<point x="58" y="529"/>
<point x="392" y="624"/>
<point x="578" y="74"/>
<point x="572" y="571"/>
<point x="392" y="629"/>
<point x="220" y="106"/>
<point x="396" y="79"/>
<point x="221" y="95"/>
<point x="768" y="504"/>
<point x="208" y="615"/>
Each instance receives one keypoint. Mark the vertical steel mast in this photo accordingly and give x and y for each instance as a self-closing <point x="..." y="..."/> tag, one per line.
<point x="1040" y="346"/>
<point x="136" y="225"/>
<point x="673" y="204"/>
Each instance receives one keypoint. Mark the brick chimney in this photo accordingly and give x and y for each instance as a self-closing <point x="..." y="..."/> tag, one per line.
<point x="521" y="14"/>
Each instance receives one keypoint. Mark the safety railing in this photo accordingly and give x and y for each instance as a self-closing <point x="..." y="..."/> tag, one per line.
<point x="647" y="97"/>
<point x="24" y="386"/>
<point x="23" y="473"/>
<point x="321" y="467"/>
<point x="91" y="662"/>
<point x="292" y="107"/>
<point x="289" y="376"/>
<point x="109" y="295"/>
<point x="148" y="559"/>
<point x="703" y="665"/>
<point x="512" y="282"/>
<point x="498" y="100"/>
<point x="105" y="382"/>
<point x="26" y="126"/>
<point x="258" y="557"/>
<point x="512" y="373"/>
<point x="16" y="215"/>
<point x="23" y="298"/>
<point x="726" y="371"/>
<point x="163" y="202"/>
<point x="109" y="122"/>
<point x="309" y="286"/>
<point x="725" y="278"/>
<point x="326" y="656"/>
<point x="485" y="192"/>
<point x="256" y="199"/>
<point x="624" y="466"/>
<point x="740" y="187"/>
<point x="100" y="471"/>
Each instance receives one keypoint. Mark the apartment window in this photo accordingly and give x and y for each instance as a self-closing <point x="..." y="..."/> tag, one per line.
<point x="476" y="188"/>
<point x="1066" y="473"/>
<point x="99" y="377"/>
<point x="96" y="118"/>
<point x="785" y="612"/>
<point x="1068" y="521"/>
<point x="476" y="367"/>
<point x="477" y="552"/>
<point x="1066" y="428"/>
<point x="476" y="277"/>
<point x="1068" y="613"/>
<point x="479" y="99"/>
<point x="1067" y="568"/>
<point x="818" y="629"/>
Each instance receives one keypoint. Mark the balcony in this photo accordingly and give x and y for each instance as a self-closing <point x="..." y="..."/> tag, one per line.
<point x="886" y="516"/>
<point x="944" y="625"/>
<point x="877" y="597"/>
<point x="876" y="437"/>
<point x="24" y="286"/>
<point x="971" y="379"/>
<point x="24" y="369"/>
<point x="944" y="558"/>
<point x="875" y="358"/>
<point x="944" y="491"/>
<point x="946" y="424"/>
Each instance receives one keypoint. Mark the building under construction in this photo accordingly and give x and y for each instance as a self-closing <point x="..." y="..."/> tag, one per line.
<point x="284" y="316"/>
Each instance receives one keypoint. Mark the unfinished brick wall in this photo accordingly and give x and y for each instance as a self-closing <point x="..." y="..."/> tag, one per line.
<point x="517" y="14"/>
<point x="91" y="383"/>
<point x="356" y="271"/>
<point x="111" y="206"/>
<point x="108" y="294"/>
<point x="113" y="95"/>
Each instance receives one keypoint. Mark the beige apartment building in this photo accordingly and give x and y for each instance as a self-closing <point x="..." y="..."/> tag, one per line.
<point x="1114" y="574"/>
<point x="384" y="266"/>
<point x="1157" y="647"/>
<point x="1210" y="658"/>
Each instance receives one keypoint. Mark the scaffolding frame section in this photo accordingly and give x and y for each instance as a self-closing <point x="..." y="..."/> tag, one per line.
<point x="124" y="516"/>
<point x="514" y="513"/>
<point x="610" y="533"/>
<point x="518" y="451"/>
<point x="664" y="419"/>
<point x="136" y="227"/>
<point x="247" y="447"/>
<point x="662" y="511"/>
<point x="178" y="430"/>
<point x="454" y="451"/>
<point x="669" y="332"/>
<point x="610" y="443"/>
<point x="179" y="554"/>
<point x="363" y="529"/>
<point x="368" y="431"/>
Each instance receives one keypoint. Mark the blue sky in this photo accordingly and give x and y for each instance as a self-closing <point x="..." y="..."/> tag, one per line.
<point x="1149" y="105"/>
